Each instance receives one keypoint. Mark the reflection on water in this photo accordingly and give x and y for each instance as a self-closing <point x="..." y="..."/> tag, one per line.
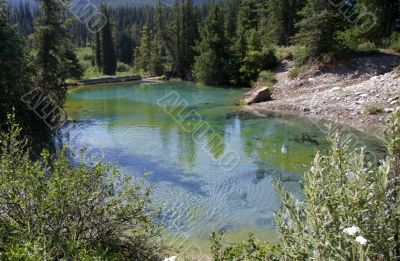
<point x="197" y="195"/>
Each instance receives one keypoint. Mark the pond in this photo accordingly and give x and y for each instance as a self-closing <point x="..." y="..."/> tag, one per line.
<point x="219" y="178"/>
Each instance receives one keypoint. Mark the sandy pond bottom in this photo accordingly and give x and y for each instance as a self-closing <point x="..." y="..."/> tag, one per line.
<point x="198" y="195"/>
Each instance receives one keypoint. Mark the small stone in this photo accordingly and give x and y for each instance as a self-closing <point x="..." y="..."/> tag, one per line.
<point x="388" y="110"/>
<point x="305" y="109"/>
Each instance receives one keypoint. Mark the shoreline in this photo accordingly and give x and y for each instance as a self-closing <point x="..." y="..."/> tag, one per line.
<point x="361" y="93"/>
<point x="343" y="123"/>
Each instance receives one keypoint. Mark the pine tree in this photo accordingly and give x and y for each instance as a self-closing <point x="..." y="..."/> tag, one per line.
<point x="143" y="53"/>
<point x="109" y="60"/>
<point x="16" y="80"/>
<point x="14" y="70"/>
<point x="98" y="51"/>
<point x="125" y="48"/>
<point x="318" y="29"/>
<point x="157" y="59"/>
<point x="376" y="19"/>
<point x="279" y="19"/>
<point x="211" y="65"/>
<point x="231" y="17"/>
<point x="189" y="34"/>
<point x="50" y="39"/>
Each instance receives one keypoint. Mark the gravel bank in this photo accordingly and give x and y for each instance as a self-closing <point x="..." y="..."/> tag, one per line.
<point x="360" y="96"/>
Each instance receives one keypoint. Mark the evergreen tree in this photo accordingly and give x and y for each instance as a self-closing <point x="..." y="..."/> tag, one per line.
<point x="150" y="56"/>
<point x="50" y="39"/>
<point x="108" y="57"/>
<point x="157" y="60"/>
<point x="125" y="48"/>
<point x="319" y="27"/>
<point x="210" y="66"/>
<point x="14" y="70"/>
<point x="98" y="51"/>
<point x="143" y="53"/>
<point x="376" y="19"/>
<point x="231" y="17"/>
<point x="189" y="35"/>
<point x="75" y="70"/>
<point x="16" y="80"/>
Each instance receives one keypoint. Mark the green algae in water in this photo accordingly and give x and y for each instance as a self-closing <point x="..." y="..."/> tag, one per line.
<point x="197" y="195"/>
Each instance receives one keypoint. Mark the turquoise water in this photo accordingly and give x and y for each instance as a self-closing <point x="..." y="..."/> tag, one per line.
<point x="135" y="126"/>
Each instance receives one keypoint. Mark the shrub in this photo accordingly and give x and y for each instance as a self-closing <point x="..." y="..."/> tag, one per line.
<point x="342" y="190"/>
<point x="372" y="110"/>
<point x="244" y="250"/>
<point x="267" y="78"/>
<point x="349" y="39"/>
<point x="350" y="211"/>
<point x="367" y="47"/>
<point x="52" y="208"/>
<point x="87" y="57"/>
<point x="394" y="41"/>
<point x="122" y="67"/>
<point x="296" y="71"/>
<point x="301" y="56"/>
<point x="256" y="61"/>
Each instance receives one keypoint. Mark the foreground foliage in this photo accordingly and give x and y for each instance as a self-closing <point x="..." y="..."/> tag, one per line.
<point x="351" y="209"/>
<point x="54" y="209"/>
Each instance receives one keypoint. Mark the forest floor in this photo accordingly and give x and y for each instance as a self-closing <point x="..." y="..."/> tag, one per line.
<point x="360" y="92"/>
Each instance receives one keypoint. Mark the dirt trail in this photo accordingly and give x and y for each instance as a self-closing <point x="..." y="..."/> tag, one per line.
<point x="360" y="93"/>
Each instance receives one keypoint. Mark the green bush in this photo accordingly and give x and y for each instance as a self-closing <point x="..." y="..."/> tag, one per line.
<point x="349" y="39"/>
<point x="256" y="61"/>
<point x="347" y="201"/>
<point x="296" y="71"/>
<point x="301" y="56"/>
<point x="350" y="211"/>
<point x="367" y="47"/>
<point x="267" y="78"/>
<point x="394" y="41"/>
<point x="122" y="67"/>
<point x="251" y="249"/>
<point x="53" y="209"/>
<point x="373" y="109"/>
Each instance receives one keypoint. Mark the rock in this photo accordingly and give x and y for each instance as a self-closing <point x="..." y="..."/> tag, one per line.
<point x="306" y="109"/>
<point x="335" y="89"/>
<point x="388" y="110"/>
<point x="260" y="94"/>
<point x="394" y="99"/>
<point x="172" y="258"/>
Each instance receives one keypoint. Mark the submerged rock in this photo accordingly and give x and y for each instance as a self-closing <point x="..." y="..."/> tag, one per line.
<point x="260" y="94"/>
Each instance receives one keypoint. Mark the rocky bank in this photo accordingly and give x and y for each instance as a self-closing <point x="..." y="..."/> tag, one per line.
<point x="360" y="93"/>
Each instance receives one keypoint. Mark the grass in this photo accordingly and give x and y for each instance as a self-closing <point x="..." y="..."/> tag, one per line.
<point x="373" y="110"/>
